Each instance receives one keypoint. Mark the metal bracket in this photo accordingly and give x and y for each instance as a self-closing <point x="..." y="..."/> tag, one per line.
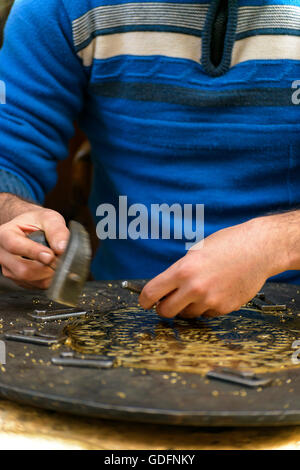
<point x="59" y="314"/>
<point x="265" y="305"/>
<point x="72" y="359"/>
<point x="32" y="336"/>
<point x="249" y="379"/>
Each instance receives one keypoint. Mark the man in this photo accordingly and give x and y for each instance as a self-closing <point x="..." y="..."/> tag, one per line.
<point x="183" y="102"/>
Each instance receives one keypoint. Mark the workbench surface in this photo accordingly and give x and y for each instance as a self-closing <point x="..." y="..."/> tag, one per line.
<point x="24" y="427"/>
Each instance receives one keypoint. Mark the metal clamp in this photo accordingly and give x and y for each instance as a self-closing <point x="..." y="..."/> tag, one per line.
<point x="59" y="314"/>
<point x="32" y="336"/>
<point x="265" y="305"/>
<point x="72" y="359"/>
<point x="249" y="379"/>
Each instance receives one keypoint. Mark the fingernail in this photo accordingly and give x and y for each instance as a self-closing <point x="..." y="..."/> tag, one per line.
<point x="45" y="257"/>
<point x="62" y="245"/>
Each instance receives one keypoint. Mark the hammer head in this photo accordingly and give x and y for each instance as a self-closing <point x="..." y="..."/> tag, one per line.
<point x="73" y="267"/>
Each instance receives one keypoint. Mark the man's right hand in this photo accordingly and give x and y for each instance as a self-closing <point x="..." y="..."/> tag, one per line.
<point x="24" y="261"/>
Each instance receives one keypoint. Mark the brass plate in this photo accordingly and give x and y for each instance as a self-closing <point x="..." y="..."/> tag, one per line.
<point x="141" y="339"/>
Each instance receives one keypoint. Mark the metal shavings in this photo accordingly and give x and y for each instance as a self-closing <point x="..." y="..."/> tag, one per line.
<point x="139" y="339"/>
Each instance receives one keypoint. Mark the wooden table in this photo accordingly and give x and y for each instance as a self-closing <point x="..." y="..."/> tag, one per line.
<point x="23" y="427"/>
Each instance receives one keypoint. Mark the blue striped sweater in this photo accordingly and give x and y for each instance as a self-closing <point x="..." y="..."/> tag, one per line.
<point x="168" y="122"/>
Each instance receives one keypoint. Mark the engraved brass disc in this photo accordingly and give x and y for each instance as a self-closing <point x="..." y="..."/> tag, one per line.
<point x="141" y="339"/>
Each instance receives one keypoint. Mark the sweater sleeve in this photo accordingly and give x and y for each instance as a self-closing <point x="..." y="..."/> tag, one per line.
<point x="9" y="183"/>
<point x="44" y="82"/>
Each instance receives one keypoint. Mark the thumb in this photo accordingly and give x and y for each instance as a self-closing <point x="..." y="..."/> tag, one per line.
<point x="56" y="231"/>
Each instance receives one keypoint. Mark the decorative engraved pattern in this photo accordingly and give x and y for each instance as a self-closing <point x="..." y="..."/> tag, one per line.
<point x="141" y="339"/>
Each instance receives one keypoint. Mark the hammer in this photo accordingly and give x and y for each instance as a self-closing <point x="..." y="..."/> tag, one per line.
<point x="73" y="265"/>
